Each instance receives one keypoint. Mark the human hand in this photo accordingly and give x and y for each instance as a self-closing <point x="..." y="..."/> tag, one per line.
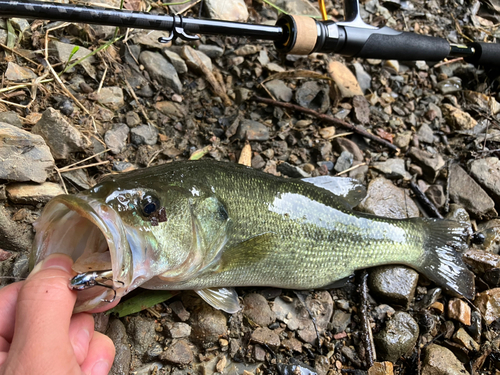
<point x="39" y="335"/>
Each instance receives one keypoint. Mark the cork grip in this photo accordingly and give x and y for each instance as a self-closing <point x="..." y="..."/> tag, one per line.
<point x="306" y="35"/>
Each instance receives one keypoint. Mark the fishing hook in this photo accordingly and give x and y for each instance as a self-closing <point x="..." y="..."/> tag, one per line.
<point x="87" y="280"/>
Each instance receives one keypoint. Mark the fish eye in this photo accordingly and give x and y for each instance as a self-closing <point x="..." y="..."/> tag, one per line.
<point x="149" y="205"/>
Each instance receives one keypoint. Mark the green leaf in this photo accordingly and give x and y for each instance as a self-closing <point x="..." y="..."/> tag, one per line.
<point x="140" y="302"/>
<point x="11" y="35"/>
<point x="198" y="154"/>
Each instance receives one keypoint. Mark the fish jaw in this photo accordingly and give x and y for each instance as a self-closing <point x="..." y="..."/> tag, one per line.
<point x="96" y="238"/>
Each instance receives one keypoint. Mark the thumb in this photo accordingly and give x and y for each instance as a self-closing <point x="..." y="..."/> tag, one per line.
<point x="44" y="307"/>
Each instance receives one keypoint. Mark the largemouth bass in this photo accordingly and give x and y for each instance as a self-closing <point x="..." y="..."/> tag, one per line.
<point x="210" y="226"/>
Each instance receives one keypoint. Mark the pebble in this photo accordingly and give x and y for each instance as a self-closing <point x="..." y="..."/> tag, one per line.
<point x="463" y="338"/>
<point x="458" y="119"/>
<point x="111" y="97"/>
<point x="292" y="344"/>
<point x="117" y="333"/>
<point x="361" y="109"/>
<point x="345" y="82"/>
<point x="265" y="336"/>
<point x="64" y="50"/>
<point x="466" y="192"/>
<point x="179" y="310"/>
<point x="314" y="96"/>
<point x="123" y="166"/>
<point x="161" y="70"/>
<point x="207" y="325"/>
<point x="116" y="138"/>
<point x="392" y="168"/>
<point x="252" y="131"/>
<point x="15" y="236"/>
<point x="61" y="137"/>
<point x="179" y="353"/>
<point x="425" y="134"/>
<point x="148" y="369"/>
<point x="26" y="193"/>
<point x="341" y="144"/>
<point x="363" y="78"/>
<point x="17" y="73"/>
<point x="193" y="57"/>
<point x="344" y="161"/>
<point x="211" y="50"/>
<point x="482" y="100"/>
<point x="481" y="261"/>
<point x="436" y="195"/>
<point x="459" y="310"/>
<point x="172" y="109"/>
<point x="149" y="38"/>
<point x="11" y="118"/>
<point x="177" y="61"/>
<point x="179" y="330"/>
<point x="430" y="163"/>
<point x="327" y="133"/>
<point x="488" y="303"/>
<point x="230" y="10"/>
<point x="487" y="173"/>
<point x="25" y="156"/>
<point x="449" y="85"/>
<point x="397" y="338"/>
<point x="441" y="361"/>
<point x="144" y="135"/>
<point x="402" y="140"/>
<point x="143" y="333"/>
<point x="385" y="199"/>
<point x="491" y="232"/>
<point x="132" y="119"/>
<point x="381" y="368"/>
<point x="340" y="321"/>
<point x="257" y="309"/>
<point x="279" y="90"/>
<point x="394" y="284"/>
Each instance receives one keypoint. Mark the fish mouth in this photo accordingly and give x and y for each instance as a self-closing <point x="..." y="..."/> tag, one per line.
<point x="94" y="236"/>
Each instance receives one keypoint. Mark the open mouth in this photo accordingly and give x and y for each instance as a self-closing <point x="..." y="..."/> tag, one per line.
<point x="94" y="236"/>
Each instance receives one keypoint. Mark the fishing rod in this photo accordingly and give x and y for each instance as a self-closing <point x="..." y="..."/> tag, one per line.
<point x="300" y="35"/>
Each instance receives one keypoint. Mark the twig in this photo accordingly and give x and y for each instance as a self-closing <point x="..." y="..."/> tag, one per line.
<point x="63" y="169"/>
<point x="102" y="79"/>
<point x="329" y="119"/>
<point x="367" y="337"/>
<point x="14" y="104"/>
<point x="62" y="180"/>
<point x="448" y="62"/>
<point x="85" y="166"/>
<point x="350" y="169"/>
<point x="153" y="157"/>
<point x="429" y="207"/>
<point x="340" y="135"/>
<point x="19" y="54"/>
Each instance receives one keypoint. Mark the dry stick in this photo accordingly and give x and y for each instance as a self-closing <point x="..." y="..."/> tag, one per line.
<point x="329" y="119"/>
<point x="350" y="169"/>
<point x="367" y="336"/>
<point x="85" y="166"/>
<point x="19" y="54"/>
<point x="63" y="169"/>
<point x="429" y="207"/>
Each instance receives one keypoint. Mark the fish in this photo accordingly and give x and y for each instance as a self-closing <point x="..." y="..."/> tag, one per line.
<point x="211" y="226"/>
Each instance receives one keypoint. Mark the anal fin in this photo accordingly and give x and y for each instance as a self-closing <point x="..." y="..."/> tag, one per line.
<point x="225" y="299"/>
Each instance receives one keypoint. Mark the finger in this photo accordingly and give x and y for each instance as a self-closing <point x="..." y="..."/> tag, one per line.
<point x="44" y="308"/>
<point x="3" y="357"/>
<point x="8" y="299"/>
<point x="81" y="329"/>
<point x="100" y="356"/>
<point x="4" y="345"/>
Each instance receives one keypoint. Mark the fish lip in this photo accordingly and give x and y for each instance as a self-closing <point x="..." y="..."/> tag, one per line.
<point x="67" y="209"/>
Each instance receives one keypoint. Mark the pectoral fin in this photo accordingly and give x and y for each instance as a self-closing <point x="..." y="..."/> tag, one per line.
<point x="225" y="299"/>
<point x="349" y="189"/>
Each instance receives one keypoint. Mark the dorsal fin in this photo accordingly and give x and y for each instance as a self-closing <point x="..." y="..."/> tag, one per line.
<point x="350" y="190"/>
<point x="225" y="299"/>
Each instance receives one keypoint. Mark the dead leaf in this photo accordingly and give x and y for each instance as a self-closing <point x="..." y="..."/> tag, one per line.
<point x="385" y="135"/>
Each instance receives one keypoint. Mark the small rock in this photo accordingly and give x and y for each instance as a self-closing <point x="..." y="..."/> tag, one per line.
<point x="193" y="58"/>
<point x="179" y="330"/>
<point x="179" y="310"/>
<point x="247" y="49"/>
<point x="363" y="78"/>
<point x="361" y="109"/>
<point x="22" y="193"/>
<point x="314" y="96"/>
<point x="430" y="163"/>
<point x="345" y="82"/>
<point x="16" y="73"/>
<point x="207" y="325"/>
<point x="481" y="261"/>
<point x="450" y="85"/>
<point x="132" y="119"/>
<point x="344" y="161"/>
<point x="459" y="310"/>
<point x="111" y="97"/>
<point x="463" y="338"/>
<point x="265" y="336"/>
<point x="343" y="144"/>
<point x="436" y="195"/>
<point x="257" y="309"/>
<point x="143" y="333"/>
<point x="402" y="140"/>
<point x="340" y="321"/>
<point x="123" y="166"/>
<point x="483" y="101"/>
<point x="177" y="61"/>
<point x="116" y="138"/>
<point x="458" y="119"/>
<point x="292" y="344"/>
<point x="62" y="137"/>
<point x="488" y="303"/>
<point x="279" y="90"/>
<point x="211" y="50"/>
<point x="425" y="134"/>
<point x="393" y="169"/>
<point x="172" y="109"/>
<point x="385" y="199"/>
<point x="441" y="361"/>
<point x="161" y="70"/>
<point x="11" y="118"/>
<point x="117" y="333"/>
<point x="491" y="232"/>
<point x="466" y="192"/>
<point x="179" y="353"/>
<point x="398" y="337"/>
<point x="149" y="38"/>
<point x="64" y="51"/>
<point x="150" y="368"/>
<point x="487" y="172"/>
<point x="394" y="284"/>
<point x="381" y="368"/>
<point x="233" y="10"/>
<point x="242" y="94"/>
<point x="327" y="133"/>
<point x="252" y="131"/>
<point x="259" y="353"/>
<point x="144" y="135"/>
<point x="25" y="156"/>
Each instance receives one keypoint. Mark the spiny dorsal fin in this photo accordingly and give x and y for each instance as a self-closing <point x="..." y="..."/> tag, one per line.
<point x="225" y="299"/>
<point x="350" y="190"/>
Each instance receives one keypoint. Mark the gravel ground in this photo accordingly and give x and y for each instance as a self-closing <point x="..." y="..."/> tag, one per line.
<point x="137" y="103"/>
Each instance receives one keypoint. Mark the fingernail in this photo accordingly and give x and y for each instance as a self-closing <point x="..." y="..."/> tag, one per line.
<point x="101" y="368"/>
<point x="54" y="261"/>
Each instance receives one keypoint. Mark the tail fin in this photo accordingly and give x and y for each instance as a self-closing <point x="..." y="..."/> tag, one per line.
<point x="441" y="262"/>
